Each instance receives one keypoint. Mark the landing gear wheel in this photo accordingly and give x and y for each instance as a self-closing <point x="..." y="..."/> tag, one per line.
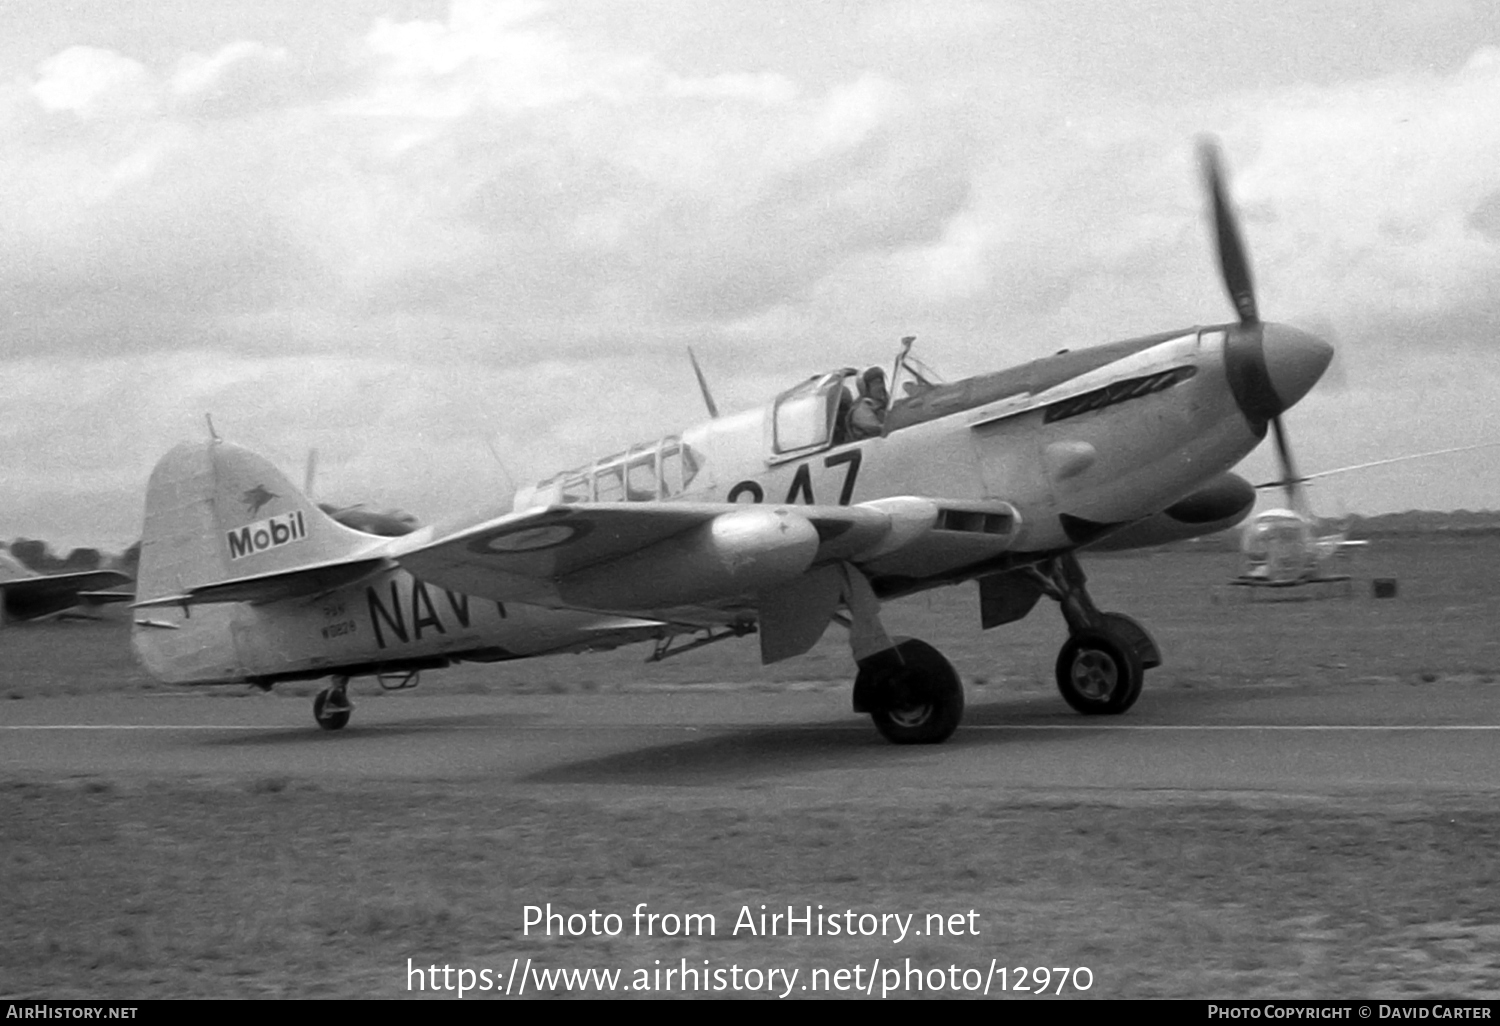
<point x="916" y="696"/>
<point x="332" y="710"/>
<point x="1099" y="673"/>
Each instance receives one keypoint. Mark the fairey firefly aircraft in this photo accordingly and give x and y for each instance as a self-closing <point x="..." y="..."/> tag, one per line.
<point x="28" y="595"/>
<point x="777" y="520"/>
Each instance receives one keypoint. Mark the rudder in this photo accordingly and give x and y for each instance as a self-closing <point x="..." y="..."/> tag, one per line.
<point x="216" y="511"/>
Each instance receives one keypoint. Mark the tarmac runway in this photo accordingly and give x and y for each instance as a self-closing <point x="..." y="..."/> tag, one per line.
<point x="1284" y="740"/>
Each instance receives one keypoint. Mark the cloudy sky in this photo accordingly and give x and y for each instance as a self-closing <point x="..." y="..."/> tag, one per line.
<point x="406" y="232"/>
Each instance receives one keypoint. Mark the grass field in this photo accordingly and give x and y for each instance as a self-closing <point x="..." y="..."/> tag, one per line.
<point x="260" y="890"/>
<point x="287" y="887"/>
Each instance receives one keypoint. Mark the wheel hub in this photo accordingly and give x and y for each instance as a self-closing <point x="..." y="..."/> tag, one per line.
<point x="1095" y="674"/>
<point x="911" y="715"/>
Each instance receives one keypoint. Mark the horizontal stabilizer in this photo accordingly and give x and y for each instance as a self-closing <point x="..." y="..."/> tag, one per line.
<point x="104" y="598"/>
<point x="276" y="585"/>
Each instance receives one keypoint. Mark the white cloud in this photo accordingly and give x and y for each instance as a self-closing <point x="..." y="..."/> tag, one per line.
<point x="94" y="83"/>
<point x="1369" y="191"/>
<point x="242" y="78"/>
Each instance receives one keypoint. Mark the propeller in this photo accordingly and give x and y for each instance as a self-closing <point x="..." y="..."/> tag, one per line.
<point x="1256" y="388"/>
<point x="1290" y="481"/>
<point x="1234" y="265"/>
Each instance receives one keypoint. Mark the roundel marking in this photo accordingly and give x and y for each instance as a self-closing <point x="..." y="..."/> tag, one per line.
<point x="530" y="538"/>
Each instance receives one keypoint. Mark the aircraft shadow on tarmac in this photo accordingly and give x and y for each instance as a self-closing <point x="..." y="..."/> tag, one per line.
<point x="730" y="754"/>
<point x="358" y="733"/>
<point x="727" y="755"/>
<point x="724" y="754"/>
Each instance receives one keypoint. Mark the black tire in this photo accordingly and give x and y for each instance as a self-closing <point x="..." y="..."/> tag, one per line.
<point x="329" y="720"/>
<point x="916" y="694"/>
<point x="1099" y="674"/>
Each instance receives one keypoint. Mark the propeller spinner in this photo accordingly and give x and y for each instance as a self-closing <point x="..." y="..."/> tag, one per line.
<point x="1270" y="366"/>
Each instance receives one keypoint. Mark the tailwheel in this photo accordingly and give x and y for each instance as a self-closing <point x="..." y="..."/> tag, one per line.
<point x="332" y="706"/>
<point x="1099" y="672"/>
<point x="912" y="694"/>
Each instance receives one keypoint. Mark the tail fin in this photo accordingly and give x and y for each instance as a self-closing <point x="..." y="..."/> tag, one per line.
<point x="216" y="512"/>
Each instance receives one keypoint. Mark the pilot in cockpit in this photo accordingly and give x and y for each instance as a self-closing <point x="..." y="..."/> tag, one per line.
<point x="867" y="415"/>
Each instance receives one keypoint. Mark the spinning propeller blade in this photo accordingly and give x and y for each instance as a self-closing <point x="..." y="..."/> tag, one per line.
<point x="1234" y="264"/>
<point x="1291" y="481"/>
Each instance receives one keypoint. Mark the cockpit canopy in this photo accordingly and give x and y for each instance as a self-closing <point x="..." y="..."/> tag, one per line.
<point x="1273" y="529"/>
<point x="808" y="416"/>
<point x="643" y="473"/>
<point x="826" y="410"/>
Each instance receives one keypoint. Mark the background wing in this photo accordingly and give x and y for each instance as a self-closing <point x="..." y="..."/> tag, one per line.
<point x="29" y="597"/>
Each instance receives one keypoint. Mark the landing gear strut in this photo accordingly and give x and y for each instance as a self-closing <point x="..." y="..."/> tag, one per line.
<point x="1103" y="664"/>
<point x="332" y="706"/>
<point x="911" y="692"/>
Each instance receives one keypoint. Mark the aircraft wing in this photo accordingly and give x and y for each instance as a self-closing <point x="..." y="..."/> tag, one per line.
<point x="655" y="556"/>
<point x="30" y="597"/>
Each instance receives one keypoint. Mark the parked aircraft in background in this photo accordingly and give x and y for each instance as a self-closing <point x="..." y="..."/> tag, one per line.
<point x="1291" y="546"/>
<point x="28" y="595"/>
<point x="813" y="508"/>
<point x="387" y="523"/>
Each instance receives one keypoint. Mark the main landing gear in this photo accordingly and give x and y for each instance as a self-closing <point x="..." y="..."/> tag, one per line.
<point x="1103" y="664"/>
<point x="911" y="692"/>
<point x="332" y="706"/>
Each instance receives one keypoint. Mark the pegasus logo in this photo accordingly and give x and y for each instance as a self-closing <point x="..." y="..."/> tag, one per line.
<point x="257" y="497"/>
